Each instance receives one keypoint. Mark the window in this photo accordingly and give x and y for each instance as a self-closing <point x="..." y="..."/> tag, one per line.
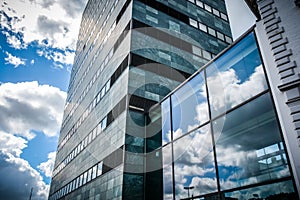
<point x="211" y="31"/>
<point x="196" y="51"/>
<point x="193" y="23"/>
<point x="228" y="39"/>
<point x="94" y="174"/>
<point x="207" y="7"/>
<point x="220" y="36"/>
<point x="202" y="27"/>
<point x="223" y="16"/>
<point x="102" y="92"/>
<point x="99" y="170"/>
<point x="190" y="106"/>
<point x="107" y="86"/>
<point x="216" y="12"/>
<point x="206" y="55"/>
<point x="104" y="123"/>
<point x="89" y="176"/>
<point x="84" y="178"/>
<point x="199" y="3"/>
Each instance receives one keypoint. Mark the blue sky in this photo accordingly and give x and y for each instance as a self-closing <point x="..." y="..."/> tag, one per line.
<point x="37" y="47"/>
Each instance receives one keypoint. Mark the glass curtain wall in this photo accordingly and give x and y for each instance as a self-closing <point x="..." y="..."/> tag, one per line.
<point x="220" y="135"/>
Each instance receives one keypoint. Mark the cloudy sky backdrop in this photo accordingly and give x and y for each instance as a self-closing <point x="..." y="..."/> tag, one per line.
<point x="37" y="44"/>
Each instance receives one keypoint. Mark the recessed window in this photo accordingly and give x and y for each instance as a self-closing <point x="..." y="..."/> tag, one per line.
<point x="196" y="50"/>
<point x="207" y="7"/>
<point x="202" y="27"/>
<point x="216" y="12"/>
<point x="94" y="175"/>
<point x="99" y="170"/>
<point x="199" y="3"/>
<point x="220" y="36"/>
<point x="228" y="39"/>
<point x="211" y="31"/>
<point x="223" y="16"/>
<point x="193" y="23"/>
<point x="104" y="123"/>
<point x="206" y="55"/>
<point x="193" y="1"/>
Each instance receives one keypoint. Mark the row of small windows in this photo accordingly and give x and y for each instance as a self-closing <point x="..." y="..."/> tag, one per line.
<point x="102" y="91"/>
<point x="210" y="31"/>
<point x="81" y="180"/>
<point x="110" y="162"/>
<point x="82" y="145"/>
<point x="95" y="56"/>
<point x="91" y="136"/>
<point x="95" y="101"/>
<point x="82" y="118"/>
<point x="97" y="36"/>
<point x="210" y="9"/>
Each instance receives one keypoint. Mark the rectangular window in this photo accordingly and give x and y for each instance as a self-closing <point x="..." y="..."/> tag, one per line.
<point x="211" y="31"/>
<point x="196" y="51"/>
<point x="89" y="176"/>
<point x="102" y="92"/>
<point x="193" y="23"/>
<point x="216" y="12"/>
<point x="207" y="7"/>
<point x="84" y="178"/>
<point x="94" y="174"/>
<point x="99" y="170"/>
<point x="206" y="55"/>
<point x="107" y="86"/>
<point x="202" y="27"/>
<point x="81" y="180"/>
<point x="224" y="16"/>
<point x="228" y="39"/>
<point x="220" y="36"/>
<point x="99" y="129"/>
<point x="199" y="3"/>
<point x="104" y="123"/>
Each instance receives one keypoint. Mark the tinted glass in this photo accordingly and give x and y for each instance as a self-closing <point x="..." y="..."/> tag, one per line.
<point x="194" y="164"/>
<point x="167" y="172"/>
<point x="166" y="121"/>
<point x="236" y="76"/>
<point x="190" y="108"/>
<point x="249" y="146"/>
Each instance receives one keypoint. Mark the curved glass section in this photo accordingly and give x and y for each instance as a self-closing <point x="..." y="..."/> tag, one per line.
<point x="190" y="107"/>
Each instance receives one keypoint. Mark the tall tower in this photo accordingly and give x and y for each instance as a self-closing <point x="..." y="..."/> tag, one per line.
<point x="130" y="54"/>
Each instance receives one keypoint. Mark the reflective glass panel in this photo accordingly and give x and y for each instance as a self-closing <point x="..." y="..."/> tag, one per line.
<point x="281" y="190"/>
<point x="249" y="145"/>
<point x="190" y="108"/>
<point x="167" y="172"/>
<point x="194" y="164"/>
<point x="166" y="121"/>
<point x="236" y="76"/>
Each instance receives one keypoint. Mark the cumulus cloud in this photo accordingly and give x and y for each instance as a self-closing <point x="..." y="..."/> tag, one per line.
<point x="29" y="106"/>
<point x="25" y="107"/>
<point x="52" y="24"/>
<point x="235" y="91"/>
<point x="17" y="176"/>
<point x="47" y="167"/>
<point x="13" y="60"/>
<point x="14" y="41"/>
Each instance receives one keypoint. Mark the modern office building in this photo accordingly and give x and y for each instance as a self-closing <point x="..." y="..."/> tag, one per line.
<point x="130" y="55"/>
<point x="230" y="131"/>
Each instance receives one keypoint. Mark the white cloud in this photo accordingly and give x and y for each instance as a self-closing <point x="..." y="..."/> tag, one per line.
<point x="29" y="106"/>
<point x="14" y="41"/>
<point x="52" y="24"/>
<point x="17" y="176"/>
<point x="13" y="60"/>
<point x="32" y="62"/>
<point x="232" y="90"/>
<point x="47" y="167"/>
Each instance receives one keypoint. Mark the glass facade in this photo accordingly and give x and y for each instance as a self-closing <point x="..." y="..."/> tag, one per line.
<point x="220" y="134"/>
<point x="130" y="55"/>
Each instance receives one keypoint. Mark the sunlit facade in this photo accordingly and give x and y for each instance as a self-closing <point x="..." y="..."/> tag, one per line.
<point x="130" y="54"/>
<point x="221" y="137"/>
